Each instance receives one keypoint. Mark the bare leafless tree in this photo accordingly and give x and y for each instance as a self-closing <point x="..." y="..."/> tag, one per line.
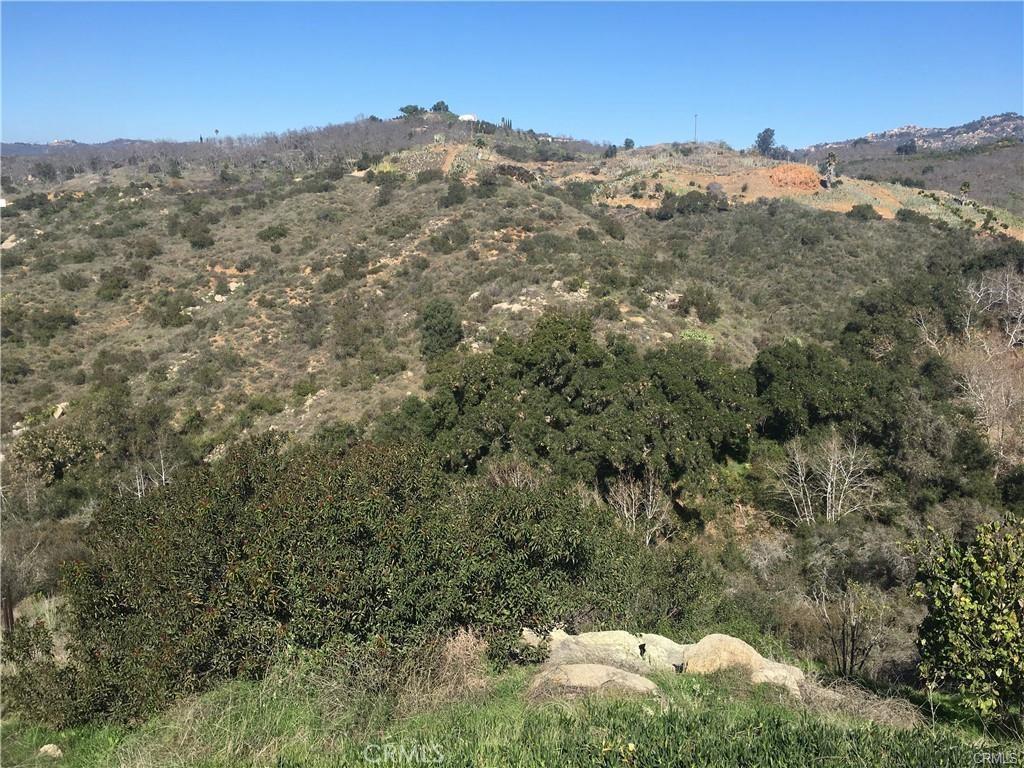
<point x="793" y="478"/>
<point x="831" y="478"/>
<point x="512" y="472"/>
<point x="993" y="385"/>
<point x="641" y="505"/>
<point x="854" y="620"/>
<point x="845" y="478"/>
<point x="997" y="297"/>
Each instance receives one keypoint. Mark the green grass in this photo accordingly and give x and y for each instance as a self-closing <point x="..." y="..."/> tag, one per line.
<point x="293" y="720"/>
<point x="85" y="747"/>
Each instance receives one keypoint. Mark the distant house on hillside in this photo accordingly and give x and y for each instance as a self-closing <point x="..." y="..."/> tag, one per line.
<point x="468" y="118"/>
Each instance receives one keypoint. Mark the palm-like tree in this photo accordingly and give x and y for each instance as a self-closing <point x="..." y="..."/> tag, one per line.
<point x="830" y="169"/>
<point x="965" y="189"/>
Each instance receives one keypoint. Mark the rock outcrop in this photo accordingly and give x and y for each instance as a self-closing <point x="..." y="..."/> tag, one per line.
<point x="51" y="751"/>
<point x="568" y="680"/>
<point x="644" y="654"/>
<point x="717" y="652"/>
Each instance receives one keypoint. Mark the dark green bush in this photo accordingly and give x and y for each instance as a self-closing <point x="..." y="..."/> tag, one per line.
<point x="429" y="175"/>
<point x="39" y="325"/>
<point x="702" y="300"/>
<point x="398" y="227"/>
<point x="272" y="233"/>
<point x="612" y="227"/>
<point x="113" y="283"/>
<point x="198" y="234"/>
<point x="204" y="580"/>
<point x="143" y="248"/>
<point x="14" y="369"/>
<point x="457" y="194"/>
<point x="72" y="281"/>
<point x="863" y="212"/>
<point x="440" y="328"/>
<point x="450" y="238"/>
<point x="30" y="201"/>
<point x="559" y="397"/>
<point x="544" y="247"/>
<point x="167" y="308"/>
<point x="906" y="181"/>
<point x="486" y="184"/>
<point x="332" y="282"/>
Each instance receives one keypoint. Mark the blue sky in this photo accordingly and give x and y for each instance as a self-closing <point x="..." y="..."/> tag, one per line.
<point x="812" y="71"/>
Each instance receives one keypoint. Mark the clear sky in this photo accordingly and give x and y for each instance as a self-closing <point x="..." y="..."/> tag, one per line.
<point x="811" y="71"/>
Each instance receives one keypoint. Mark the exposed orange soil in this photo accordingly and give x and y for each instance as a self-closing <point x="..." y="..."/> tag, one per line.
<point x="792" y="177"/>
<point x="449" y="158"/>
<point x="624" y="200"/>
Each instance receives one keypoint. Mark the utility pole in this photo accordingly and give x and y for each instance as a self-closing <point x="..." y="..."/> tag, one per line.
<point x="694" y="127"/>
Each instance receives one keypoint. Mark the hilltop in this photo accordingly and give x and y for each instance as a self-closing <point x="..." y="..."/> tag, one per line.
<point x="988" y="153"/>
<point x="297" y="255"/>
<point x="984" y="130"/>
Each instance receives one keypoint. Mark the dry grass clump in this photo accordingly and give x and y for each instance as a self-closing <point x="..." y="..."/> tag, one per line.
<point x="453" y="668"/>
<point x="846" y="698"/>
<point x="310" y="706"/>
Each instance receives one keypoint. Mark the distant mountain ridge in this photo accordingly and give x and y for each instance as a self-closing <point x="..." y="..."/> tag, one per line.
<point x="984" y="130"/>
<point x="61" y="146"/>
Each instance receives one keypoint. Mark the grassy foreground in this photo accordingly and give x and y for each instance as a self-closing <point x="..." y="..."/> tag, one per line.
<point x="293" y="720"/>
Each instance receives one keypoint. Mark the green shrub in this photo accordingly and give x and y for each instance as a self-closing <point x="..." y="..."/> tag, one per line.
<point x="612" y="227"/>
<point x="428" y="175"/>
<point x="486" y="184"/>
<point x="398" y="227"/>
<point x="303" y="388"/>
<point x="332" y="282"/>
<point x="167" y="308"/>
<point x="549" y="398"/>
<point x="972" y="639"/>
<point x="702" y="300"/>
<point x="450" y="238"/>
<point x="544" y="247"/>
<point x="198" y="234"/>
<point x="30" y="201"/>
<point x="143" y="248"/>
<point x="272" y="233"/>
<point x="440" y="328"/>
<point x="204" y="580"/>
<point x="227" y="176"/>
<point x="264" y="404"/>
<point x="39" y="325"/>
<point x="337" y="169"/>
<point x="113" y="283"/>
<point x="14" y="369"/>
<point x="11" y="258"/>
<point x="313" y="186"/>
<point x="910" y="216"/>
<point x="456" y="195"/>
<point x="863" y="212"/>
<point x="72" y="281"/>
<point x="84" y="255"/>
<point x="193" y="204"/>
<point x="606" y="309"/>
<point x="906" y="181"/>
